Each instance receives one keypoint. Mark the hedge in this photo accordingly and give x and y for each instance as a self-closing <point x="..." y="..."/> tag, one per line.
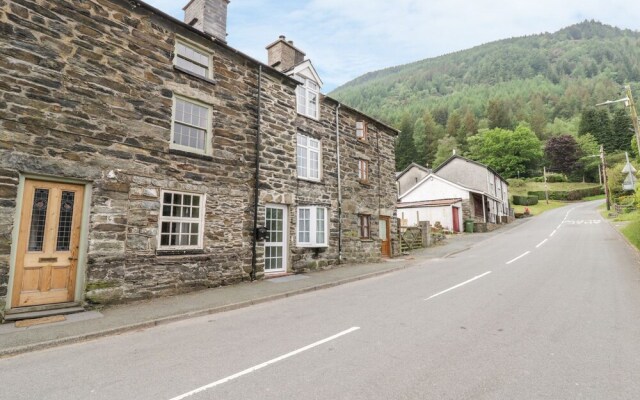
<point x="525" y="200"/>
<point x="569" y="195"/>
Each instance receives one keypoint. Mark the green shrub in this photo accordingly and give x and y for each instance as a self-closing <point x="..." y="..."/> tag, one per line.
<point x="525" y="200"/>
<point x="554" y="178"/>
<point x="571" y="195"/>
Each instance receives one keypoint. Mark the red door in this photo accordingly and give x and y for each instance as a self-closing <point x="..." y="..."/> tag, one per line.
<point x="456" y="219"/>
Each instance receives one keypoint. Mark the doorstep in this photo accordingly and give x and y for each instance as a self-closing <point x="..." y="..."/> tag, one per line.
<point x="17" y="314"/>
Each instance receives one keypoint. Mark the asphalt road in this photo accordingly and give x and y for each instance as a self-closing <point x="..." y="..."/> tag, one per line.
<point x="548" y="310"/>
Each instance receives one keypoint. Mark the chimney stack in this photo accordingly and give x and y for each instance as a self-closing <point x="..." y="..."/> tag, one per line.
<point x="283" y="55"/>
<point x="208" y="16"/>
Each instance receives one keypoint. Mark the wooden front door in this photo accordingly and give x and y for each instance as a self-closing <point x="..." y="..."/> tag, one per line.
<point x="47" y="253"/>
<point x="456" y="219"/>
<point x="385" y="236"/>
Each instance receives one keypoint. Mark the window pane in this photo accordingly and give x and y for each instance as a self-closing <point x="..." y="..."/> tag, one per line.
<point x="314" y="165"/>
<point x="320" y="221"/>
<point x="64" y="221"/>
<point x="301" y="97"/>
<point x="302" y="162"/>
<point x="38" y="219"/>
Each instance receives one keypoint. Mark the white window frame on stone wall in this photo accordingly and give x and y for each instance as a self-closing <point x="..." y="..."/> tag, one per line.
<point x="178" y="119"/>
<point x="361" y="130"/>
<point x="308" y="148"/>
<point x="312" y="227"/>
<point x="363" y="170"/>
<point x="306" y="93"/>
<point x="191" y="57"/>
<point x="364" y="226"/>
<point x="178" y="219"/>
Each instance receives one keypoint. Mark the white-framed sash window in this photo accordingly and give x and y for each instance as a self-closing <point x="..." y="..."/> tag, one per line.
<point x="181" y="221"/>
<point x="191" y="126"/>
<point x="193" y="59"/>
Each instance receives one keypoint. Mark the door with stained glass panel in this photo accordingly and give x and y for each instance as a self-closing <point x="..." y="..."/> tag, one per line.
<point x="48" y="244"/>
<point x="275" y="246"/>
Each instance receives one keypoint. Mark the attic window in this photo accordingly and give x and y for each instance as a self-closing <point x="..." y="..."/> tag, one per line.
<point x="307" y="95"/>
<point x="193" y="22"/>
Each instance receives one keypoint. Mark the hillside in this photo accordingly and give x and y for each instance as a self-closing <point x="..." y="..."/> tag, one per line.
<point x="546" y="80"/>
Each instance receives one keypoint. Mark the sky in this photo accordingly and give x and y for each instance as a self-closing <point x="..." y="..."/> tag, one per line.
<point x="348" y="38"/>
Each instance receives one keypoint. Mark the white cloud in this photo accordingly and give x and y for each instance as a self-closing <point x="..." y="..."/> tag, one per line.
<point x="346" y="38"/>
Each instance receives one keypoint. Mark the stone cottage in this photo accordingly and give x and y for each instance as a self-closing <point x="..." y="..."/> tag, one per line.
<point x="141" y="155"/>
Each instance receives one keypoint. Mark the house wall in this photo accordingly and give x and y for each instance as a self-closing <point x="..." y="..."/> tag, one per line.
<point x="86" y="92"/>
<point x="465" y="173"/>
<point x="434" y="189"/>
<point x="443" y="214"/>
<point x="410" y="179"/>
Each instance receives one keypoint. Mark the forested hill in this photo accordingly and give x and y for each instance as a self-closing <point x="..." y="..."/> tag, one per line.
<point x="546" y="80"/>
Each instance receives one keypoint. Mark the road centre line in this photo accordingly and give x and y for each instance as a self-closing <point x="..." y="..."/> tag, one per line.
<point x="541" y="243"/>
<point x="553" y="233"/>
<point x="458" y="285"/>
<point x="519" y="257"/>
<point x="265" y="364"/>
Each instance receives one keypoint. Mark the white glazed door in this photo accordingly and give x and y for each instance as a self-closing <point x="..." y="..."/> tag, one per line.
<point x="275" y="246"/>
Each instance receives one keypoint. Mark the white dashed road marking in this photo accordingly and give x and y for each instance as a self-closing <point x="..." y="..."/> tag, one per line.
<point x="458" y="285"/>
<point x="519" y="257"/>
<point x="265" y="364"/>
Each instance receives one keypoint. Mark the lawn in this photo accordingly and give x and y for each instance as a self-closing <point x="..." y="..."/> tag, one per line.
<point x="631" y="230"/>
<point x="541" y="207"/>
<point x="538" y="186"/>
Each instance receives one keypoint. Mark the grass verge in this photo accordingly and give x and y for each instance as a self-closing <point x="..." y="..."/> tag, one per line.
<point x="632" y="232"/>
<point x="541" y="207"/>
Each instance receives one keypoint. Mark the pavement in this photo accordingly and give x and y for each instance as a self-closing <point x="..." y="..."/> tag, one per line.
<point x="119" y="319"/>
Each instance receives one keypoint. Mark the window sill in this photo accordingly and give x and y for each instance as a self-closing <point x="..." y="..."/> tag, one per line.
<point x="312" y="246"/>
<point x="186" y="252"/>
<point x="364" y="183"/>
<point x="184" y="71"/>
<point x="317" y="119"/>
<point x="367" y="240"/>
<point x="190" y="154"/>
<point x="311" y="180"/>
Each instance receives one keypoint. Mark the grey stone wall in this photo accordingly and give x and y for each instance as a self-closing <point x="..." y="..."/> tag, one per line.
<point x="86" y="92"/>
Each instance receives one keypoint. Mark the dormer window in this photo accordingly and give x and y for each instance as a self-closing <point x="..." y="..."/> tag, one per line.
<point x="307" y="95"/>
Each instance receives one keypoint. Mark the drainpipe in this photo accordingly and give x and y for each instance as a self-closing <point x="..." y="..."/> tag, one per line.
<point x="339" y="185"/>
<point x="256" y="193"/>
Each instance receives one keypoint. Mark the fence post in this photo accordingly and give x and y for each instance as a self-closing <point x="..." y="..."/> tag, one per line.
<point x="425" y="228"/>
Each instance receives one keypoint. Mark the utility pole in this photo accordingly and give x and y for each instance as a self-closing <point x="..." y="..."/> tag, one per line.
<point x="604" y="173"/>
<point x="634" y="116"/>
<point x="546" y="187"/>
